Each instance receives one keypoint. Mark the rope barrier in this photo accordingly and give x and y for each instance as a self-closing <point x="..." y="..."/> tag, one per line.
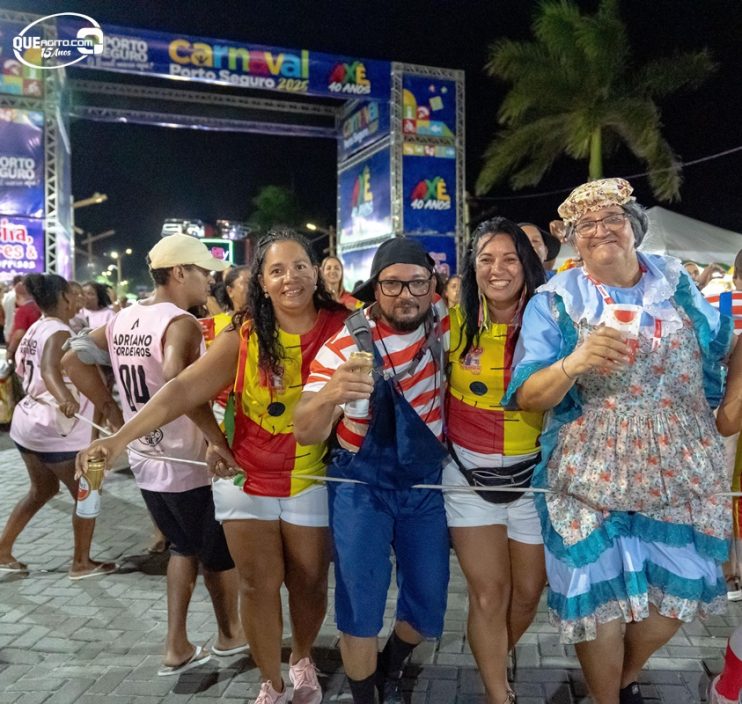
<point x="453" y="488"/>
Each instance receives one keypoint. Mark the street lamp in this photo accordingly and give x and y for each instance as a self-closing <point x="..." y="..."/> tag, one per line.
<point x="328" y="232"/>
<point x="118" y="257"/>
<point x="95" y="199"/>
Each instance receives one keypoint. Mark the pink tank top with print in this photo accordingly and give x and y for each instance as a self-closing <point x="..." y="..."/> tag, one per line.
<point x="135" y="342"/>
<point x="37" y="422"/>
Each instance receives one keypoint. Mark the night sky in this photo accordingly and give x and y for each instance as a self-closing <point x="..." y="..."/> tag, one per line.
<point x="152" y="173"/>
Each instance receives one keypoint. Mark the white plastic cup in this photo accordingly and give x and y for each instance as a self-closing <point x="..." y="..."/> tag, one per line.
<point x="627" y="319"/>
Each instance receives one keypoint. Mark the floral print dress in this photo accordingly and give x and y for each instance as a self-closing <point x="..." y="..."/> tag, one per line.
<point x="645" y="445"/>
<point x="634" y="464"/>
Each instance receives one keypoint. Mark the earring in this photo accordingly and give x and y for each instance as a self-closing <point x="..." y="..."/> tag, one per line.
<point x="265" y="293"/>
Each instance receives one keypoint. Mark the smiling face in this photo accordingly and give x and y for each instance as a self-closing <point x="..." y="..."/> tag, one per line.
<point x="406" y="311"/>
<point x="332" y="271"/>
<point x="499" y="271"/>
<point x="288" y="276"/>
<point x="608" y="245"/>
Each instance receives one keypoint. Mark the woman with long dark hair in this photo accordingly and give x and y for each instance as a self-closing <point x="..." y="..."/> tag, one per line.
<point x="497" y="537"/>
<point x="275" y="520"/>
<point x="44" y="427"/>
<point x="97" y="310"/>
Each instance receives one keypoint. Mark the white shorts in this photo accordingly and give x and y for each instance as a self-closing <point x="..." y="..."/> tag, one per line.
<point x="309" y="508"/>
<point x="468" y="509"/>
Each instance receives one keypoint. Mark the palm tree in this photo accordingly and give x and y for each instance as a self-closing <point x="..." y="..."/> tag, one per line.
<point x="575" y="91"/>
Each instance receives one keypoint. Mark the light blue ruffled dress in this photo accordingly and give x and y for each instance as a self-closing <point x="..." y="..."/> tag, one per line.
<point x="633" y="457"/>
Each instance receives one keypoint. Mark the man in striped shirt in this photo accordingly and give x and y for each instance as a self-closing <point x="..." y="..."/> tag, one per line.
<point x="386" y="449"/>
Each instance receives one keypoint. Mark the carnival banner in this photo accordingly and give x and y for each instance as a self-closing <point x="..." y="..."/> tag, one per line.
<point x="21" y="162"/>
<point x="15" y="78"/>
<point x="442" y="249"/>
<point x="21" y="246"/>
<point x="364" y="200"/>
<point x="429" y="192"/>
<point x="428" y="107"/>
<point x="239" y="64"/>
<point x="362" y="124"/>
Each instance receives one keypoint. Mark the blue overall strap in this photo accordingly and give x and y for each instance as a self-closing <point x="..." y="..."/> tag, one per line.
<point x="725" y="303"/>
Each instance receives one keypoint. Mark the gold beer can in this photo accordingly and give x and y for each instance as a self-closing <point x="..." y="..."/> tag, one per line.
<point x="88" y="491"/>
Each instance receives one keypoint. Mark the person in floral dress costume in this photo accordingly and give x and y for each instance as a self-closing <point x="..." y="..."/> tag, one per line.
<point x="634" y="529"/>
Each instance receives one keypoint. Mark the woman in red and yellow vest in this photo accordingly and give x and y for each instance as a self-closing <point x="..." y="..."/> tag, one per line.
<point x="497" y="537"/>
<point x="274" y="518"/>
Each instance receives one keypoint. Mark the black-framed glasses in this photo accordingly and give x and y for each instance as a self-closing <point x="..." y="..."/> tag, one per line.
<point x="394" y="287"/>
<point x="588" y="228"/>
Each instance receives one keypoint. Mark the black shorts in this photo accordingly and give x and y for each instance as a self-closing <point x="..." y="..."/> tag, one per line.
<point x="186" y="519"/>
<point x="48" y="457"/>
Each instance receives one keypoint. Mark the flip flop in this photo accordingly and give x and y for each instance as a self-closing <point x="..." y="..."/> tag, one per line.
<point x="199" y="657"/>
<point x="13" y="567"/>
<point x="225" y="653"/>
<point x="99" y="571"/>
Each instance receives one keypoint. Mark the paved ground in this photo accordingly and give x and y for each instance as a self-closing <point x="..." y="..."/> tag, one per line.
<point x="100" y="640"/>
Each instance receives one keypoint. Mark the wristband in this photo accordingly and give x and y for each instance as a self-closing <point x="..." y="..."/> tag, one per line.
<point x="561" y="366"/>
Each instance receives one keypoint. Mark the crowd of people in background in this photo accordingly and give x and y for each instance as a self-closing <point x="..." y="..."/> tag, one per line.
<point x="548" y="426"/>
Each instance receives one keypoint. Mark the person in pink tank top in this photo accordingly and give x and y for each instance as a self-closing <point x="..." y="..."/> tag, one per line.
<point x="45" y="427"/>
<point x="150" y="343"/>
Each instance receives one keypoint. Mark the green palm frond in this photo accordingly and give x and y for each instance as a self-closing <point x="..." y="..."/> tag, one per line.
<point x="638" y="123"/>
<point x="680" y="71"/>
<point x="575" y="81"/>
<point x="513" y="147"/>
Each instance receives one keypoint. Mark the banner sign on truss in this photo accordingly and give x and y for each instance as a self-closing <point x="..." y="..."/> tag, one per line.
<point x="362" y="124"/>
<point x="239" y="64"/>
<point x="21" y="162"/>
<point x="364" y="200"/>
<point x="442" y="249"/>
<point x="21" y="247"/>
<point x="15" y="78"/>
<point x="429" y="107"/>
<point x="429" y="192"/>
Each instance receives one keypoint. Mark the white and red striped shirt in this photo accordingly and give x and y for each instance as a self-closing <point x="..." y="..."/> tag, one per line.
<point x="398" y="350"/>
<point x="731" y="304"/>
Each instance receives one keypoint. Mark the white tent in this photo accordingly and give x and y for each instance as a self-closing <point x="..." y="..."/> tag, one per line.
<point x="686" y="238"/>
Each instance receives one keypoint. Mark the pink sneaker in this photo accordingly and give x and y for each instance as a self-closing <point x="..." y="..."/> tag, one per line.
<point x="268" y="695"/>
<point x="303" y="676"/>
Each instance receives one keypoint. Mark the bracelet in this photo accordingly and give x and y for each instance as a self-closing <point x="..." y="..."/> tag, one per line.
<point x="561" y="366"/>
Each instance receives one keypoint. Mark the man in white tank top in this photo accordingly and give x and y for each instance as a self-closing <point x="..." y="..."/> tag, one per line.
<point x="149" y="343"/>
